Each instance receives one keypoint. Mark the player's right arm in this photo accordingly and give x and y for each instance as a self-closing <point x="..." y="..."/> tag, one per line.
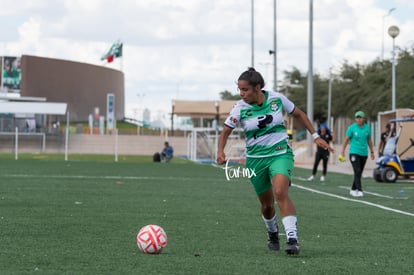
<point x="344" y="144"/>
<point x="221" y="157"/>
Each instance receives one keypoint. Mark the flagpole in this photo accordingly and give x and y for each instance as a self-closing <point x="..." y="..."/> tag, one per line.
<point x="121" y="61"/>
<point x="1" y="78"/>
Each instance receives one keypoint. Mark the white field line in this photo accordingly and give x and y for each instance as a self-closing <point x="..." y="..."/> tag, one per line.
<point x="302" y="179"/>
<point x="91" y="177"/>
<point x="365" y="192"/>
<point x="72" y="177"/>
<point x="353" y="200"/>
<point x="378" y="195"/>
<point x="154" y="178"/>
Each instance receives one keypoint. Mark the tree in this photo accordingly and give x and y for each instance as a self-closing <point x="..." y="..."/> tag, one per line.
<point x="358" y="87"/>
<point x="226" y="95"/>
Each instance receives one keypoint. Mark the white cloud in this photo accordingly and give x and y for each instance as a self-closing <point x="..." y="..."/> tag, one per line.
<point x="29" y="33"/>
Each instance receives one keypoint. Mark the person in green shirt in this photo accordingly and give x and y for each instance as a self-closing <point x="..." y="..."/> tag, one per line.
<point x="358" y="135"/>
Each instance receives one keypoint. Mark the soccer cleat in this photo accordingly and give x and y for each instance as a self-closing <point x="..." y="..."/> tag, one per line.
<point x="322" y="178"/>
<point x="292" y="247"/>
<point x="359" y="193"/>
<point x="311" y="178"/>
<point x="273" y="242"/>
<point x="353" y="193"/>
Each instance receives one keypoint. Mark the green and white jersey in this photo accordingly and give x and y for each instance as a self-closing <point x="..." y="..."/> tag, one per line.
<point x="264" y="125"/>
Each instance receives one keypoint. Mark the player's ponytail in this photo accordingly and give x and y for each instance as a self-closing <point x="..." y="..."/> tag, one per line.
<point x="252" y="77"/>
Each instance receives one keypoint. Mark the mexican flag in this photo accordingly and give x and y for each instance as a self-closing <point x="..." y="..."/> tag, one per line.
<point x="114" y="52"/>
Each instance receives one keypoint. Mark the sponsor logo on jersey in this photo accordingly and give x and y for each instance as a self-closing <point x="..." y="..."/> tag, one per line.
<point x="233" y="119"/>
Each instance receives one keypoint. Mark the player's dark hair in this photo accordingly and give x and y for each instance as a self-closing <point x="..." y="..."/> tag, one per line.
<point x="252" y="77"/>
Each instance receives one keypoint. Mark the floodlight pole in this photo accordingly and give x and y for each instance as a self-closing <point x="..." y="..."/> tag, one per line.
<point x="329" y="98"/>
<point x="252" y="38"/>
<point x="310" y="79"/>
<point x="274" y="46"/>
<point x="393" y="31"/>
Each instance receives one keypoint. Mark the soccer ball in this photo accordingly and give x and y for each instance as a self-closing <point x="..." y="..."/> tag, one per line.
<point x="152" y="239"/>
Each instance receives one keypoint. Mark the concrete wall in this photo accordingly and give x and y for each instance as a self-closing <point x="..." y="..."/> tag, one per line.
<point x="127" y="144"/>
<point x="92" y="144"/>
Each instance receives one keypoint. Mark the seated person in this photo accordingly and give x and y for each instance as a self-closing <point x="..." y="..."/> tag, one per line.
<point x="167" y="153"/>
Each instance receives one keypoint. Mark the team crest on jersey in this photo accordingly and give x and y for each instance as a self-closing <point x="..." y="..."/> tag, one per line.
<point x="273" y="106"/>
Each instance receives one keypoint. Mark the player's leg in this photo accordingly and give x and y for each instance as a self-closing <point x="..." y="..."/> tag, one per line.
<point x="362" y="162"/>
<point x="281" y="170"/>
<point x="287" y="211"/>
<point x="357" y="174"/>
<point x="315" y="167"/>
<point x="325" y="160"/>
<point x="269" y="218"/>
<point x="263" y="188"/>
<point x="357" y="167"/>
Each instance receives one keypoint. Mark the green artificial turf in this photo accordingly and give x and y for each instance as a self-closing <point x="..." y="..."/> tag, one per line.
<point x="81" y="217"/>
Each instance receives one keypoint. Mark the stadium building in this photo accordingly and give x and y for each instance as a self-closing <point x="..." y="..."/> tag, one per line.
<point x="85" y="88"/>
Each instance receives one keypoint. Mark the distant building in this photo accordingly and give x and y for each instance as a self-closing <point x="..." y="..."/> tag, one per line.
<point x="82" y="86"/>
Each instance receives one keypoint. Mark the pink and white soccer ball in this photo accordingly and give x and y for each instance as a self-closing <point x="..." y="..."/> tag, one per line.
<point x="152" y="239"/>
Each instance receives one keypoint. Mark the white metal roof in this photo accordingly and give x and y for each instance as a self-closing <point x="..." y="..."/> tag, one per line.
<point x="50" y="108"/>
<point x="16" y="97"/>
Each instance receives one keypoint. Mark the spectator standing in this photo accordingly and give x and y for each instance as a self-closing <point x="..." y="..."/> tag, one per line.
<point x="321" y="153"/>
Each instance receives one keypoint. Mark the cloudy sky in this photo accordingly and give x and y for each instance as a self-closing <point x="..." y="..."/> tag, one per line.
<point x="194" y="49"/>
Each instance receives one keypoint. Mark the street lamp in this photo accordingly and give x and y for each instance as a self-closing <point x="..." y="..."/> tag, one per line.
<point x="393" y="31"/>
<point x="172" y="117"/>
<point x="329" y="99"/>
<point x="274" y="45"/>
<point x="271" y="52"/>
<point x="382" y="30"/>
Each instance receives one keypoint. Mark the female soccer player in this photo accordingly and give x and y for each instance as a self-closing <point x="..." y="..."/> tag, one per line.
<point x="268" y="152"/>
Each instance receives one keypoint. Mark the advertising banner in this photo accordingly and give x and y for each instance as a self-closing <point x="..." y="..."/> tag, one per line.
<point x="11" y="73"/>
<point x="110" y="115"/>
